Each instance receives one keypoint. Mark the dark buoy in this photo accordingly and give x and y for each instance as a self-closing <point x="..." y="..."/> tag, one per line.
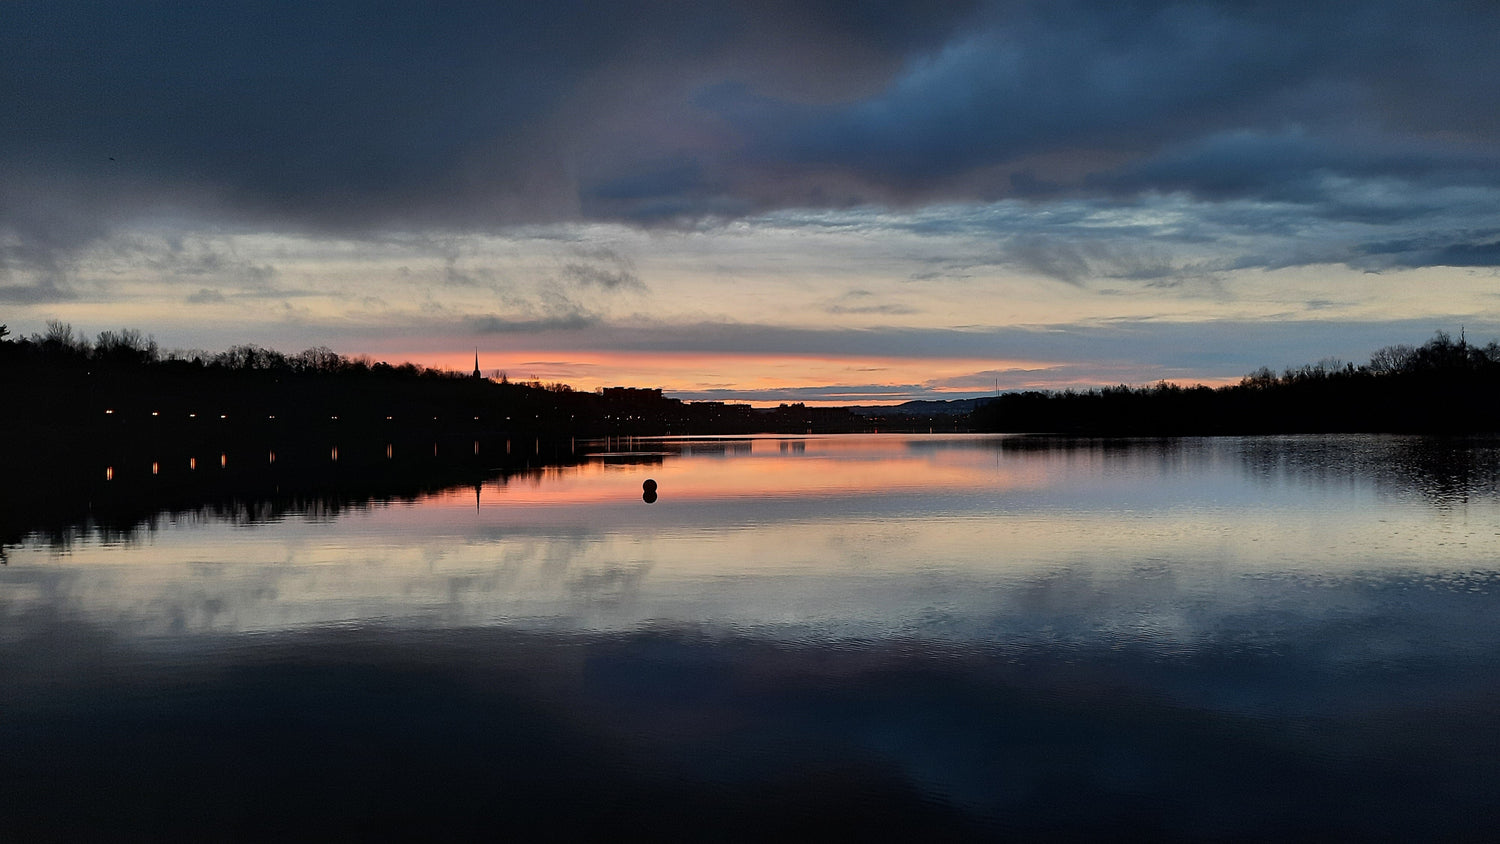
<point x="649" y="485"/>
<point x="648" y="493"/>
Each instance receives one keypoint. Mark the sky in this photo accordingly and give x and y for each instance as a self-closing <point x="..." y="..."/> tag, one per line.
<point x="764" y="201"/>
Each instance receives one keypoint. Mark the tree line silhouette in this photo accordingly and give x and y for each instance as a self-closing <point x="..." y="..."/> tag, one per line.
<point x="60" y="386"/>
<point x="103" y="434"/>
<point x="1443" y="386"/>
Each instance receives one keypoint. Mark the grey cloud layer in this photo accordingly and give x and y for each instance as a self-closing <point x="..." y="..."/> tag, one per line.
<point x="1197" y="349"/>
<point x="357" y="117"/>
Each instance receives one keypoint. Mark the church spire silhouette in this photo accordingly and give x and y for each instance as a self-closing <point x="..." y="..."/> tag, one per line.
<point x="477" y="376"/>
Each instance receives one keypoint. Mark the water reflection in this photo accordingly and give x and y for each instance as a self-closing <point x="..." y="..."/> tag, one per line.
<point x="1444" y="471"/>
<point x="965" y="637"/>
<point x="136" y="490"/>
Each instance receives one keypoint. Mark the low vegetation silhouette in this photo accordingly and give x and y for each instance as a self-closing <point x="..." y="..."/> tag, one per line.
<point x="60" y="386"/>
<point x="63" y="390"/>
<point x="1443" y="386"/>
<point x="104" y="435"/>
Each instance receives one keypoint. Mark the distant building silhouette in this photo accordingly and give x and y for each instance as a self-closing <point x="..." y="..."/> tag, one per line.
<point x="632" y="393"/>
<point x="477" y="376"/>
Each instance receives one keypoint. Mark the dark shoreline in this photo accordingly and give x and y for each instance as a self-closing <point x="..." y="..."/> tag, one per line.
<point x="61" y="392"/>
<point x="116" y="488"/>
<point x="113" y="489"/>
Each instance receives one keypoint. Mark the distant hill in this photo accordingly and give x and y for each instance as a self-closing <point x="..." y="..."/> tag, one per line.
<point x="953" y="407"/>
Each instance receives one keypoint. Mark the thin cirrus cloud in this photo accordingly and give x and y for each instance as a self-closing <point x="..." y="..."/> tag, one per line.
<point x="925" y="153"/>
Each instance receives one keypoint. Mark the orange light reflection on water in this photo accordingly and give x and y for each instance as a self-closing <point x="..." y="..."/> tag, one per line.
<point x="871" y="533"/>
<point x="756" y="468"/>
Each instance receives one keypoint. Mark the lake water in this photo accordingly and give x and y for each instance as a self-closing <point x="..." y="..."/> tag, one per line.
<point x="966" y="637"/>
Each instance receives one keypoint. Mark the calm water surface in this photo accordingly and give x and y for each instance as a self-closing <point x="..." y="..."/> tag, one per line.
<point x="972" y="637"/>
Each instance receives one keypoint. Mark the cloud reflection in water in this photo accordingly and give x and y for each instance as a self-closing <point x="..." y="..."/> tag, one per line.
<point x="974" y="636"/>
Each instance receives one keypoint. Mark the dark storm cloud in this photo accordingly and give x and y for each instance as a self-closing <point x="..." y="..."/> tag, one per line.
<point x="310" y="111"/>
<point x="1467" y="255"/>
<point x="1084" y="91"/>
<point x="34" y="294"/>
<point x="1346" y="180"/>
<point x="1467" y="249"/>
<point x="1035" y="76"/>
<point x="358" y="116"/>
<point x="565" y="321"/>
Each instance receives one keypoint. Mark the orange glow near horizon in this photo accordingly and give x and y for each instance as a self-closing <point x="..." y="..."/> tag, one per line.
<point x="698" y="372"/>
